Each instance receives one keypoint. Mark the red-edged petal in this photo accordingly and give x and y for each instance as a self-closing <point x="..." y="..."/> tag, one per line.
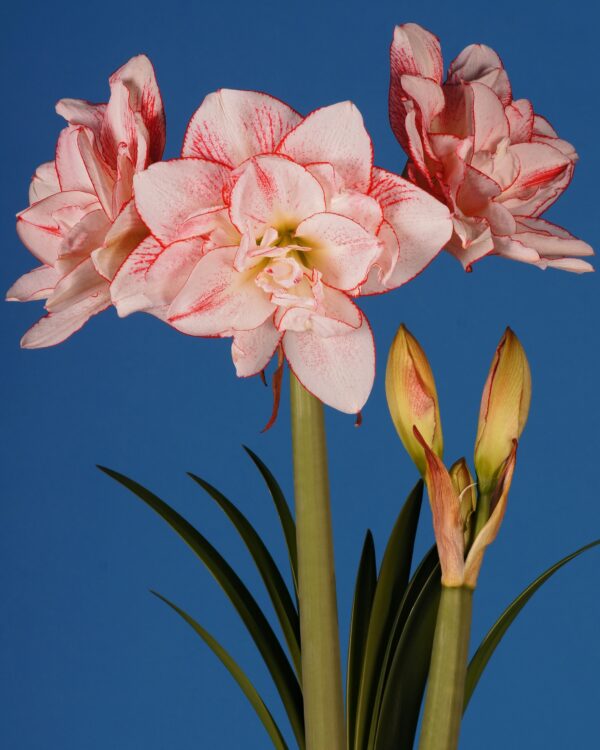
<point x="138" y="77"/>
<point x="339" y="370"/>
<point x="251" y="351"/>
<point x="125" y="234"/>
<point x="44" y="182"/>
<point x="335" y="315"/>
<point x="341" y="249"/>
<point x="520" y="120"/>
<point x="176" y="199"/>
<point x="80" y="283"/>
<point x="218" y="300"/>
<point x="421" y="223"/>
<point x="427" y="95"/>
<point x="480" y="63"/>
<point x="81" y="113"/>
<point x="232" y="126"/>
<point x="36" y="284"/>
<point x="554" y="245"/>
<point x="153" y="275"/>
<point x="41" y="228"/>
<point x="490" y="125"/>
<point x="417" y="52"/>
<point x="274" y="191"/>
<point x="544" y="173"/>
<point x="54" y="328"/>
<point x="336" y="135"/>
<point x="71" y="171"/>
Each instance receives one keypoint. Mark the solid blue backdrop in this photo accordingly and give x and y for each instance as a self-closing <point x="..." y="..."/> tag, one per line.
<point x="90" y="660"/>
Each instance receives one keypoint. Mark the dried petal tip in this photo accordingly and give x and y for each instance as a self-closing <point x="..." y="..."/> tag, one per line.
<point x="504" y="409"/>
<point x="412" y="397"/>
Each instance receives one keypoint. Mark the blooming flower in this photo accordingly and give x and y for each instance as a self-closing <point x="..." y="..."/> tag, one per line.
<point x="495" y="163"/>
<point x="82" y="222"/>
<point x="267" y="229"/>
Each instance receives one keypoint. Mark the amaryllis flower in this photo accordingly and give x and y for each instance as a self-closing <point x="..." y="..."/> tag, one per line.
<point x="495" y="163"/>
<point x="82" y="222"/>
<point x="268" y="228"/>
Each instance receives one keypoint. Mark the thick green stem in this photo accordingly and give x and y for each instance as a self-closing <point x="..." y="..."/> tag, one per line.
<point x="321" y="663"/>
<point x="446" y="683"/>
<point x="482" y="513"/>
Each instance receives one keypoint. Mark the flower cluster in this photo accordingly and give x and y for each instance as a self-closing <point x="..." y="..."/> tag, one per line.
<point x="270" y="224"/>
<point x="495" y="163"/>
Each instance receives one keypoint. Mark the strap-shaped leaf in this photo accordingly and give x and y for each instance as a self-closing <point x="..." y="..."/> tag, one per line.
<point x="283" y="511"/>
<point x="238" y="675"/>
<point x="269" y="572"/>
<point x="391" y="585"/>
<point x="495" y="634"/>
<point x="243" y="601"/>
<point x="364" y="591"/>
<point x="421" y="578"/>
<point x="405" y="685"/>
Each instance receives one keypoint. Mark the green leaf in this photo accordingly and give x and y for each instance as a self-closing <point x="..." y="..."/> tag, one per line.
<point x="283" y="511"/>
<point x="238" y="675"/>
<point x="492" y="639"/>
<point x="243" y="601"/>
<point x="391" y="585"/>
<point x="364" y="591"/>
<point x="421" y="578"/>
<point x="269" y="572"/>
<point x="405" y="685"/>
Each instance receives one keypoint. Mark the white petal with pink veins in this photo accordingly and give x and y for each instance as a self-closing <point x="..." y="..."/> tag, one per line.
<point x="490" y="125"/>
<point x="137" y="75"/>
<point x="341" y="249"/>
<point x="101" y="176"/>
<point x="520" y="120"/>
<point x="36" y="284"/>
<point x="217" y="299"/>
<point x="480" y="63"/>
<point x="70" y="167"/>
<point x="334" y="314"/>
<point x="251" y="351"/>
<point x="338" y="370"/>
<point x="550" y="240"/>
<point x="153" y="275"/>
<point x="127" y="231"/>
<point x="337" y="135"/>
<point x="80" y="112"/>
<point x="44" y="182"/>
<point x="272" y="191"/>
<point x="82" y="282"/>
<point x="40" y="227"/>
<point x="427" y="95"/>
<point x="416" y="52"/>
<point x="232" y="126"/>
<point x="54" y="328"/>
<point x="169" y="194"/>
<point x="421" y="223"/>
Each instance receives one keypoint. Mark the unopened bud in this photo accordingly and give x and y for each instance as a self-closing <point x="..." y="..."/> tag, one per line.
<point x="504" y="409"/>
<point x="412" y="397"/>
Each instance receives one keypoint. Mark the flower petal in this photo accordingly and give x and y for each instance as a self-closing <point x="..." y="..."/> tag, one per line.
<point x="273" y="191"/>
<point x="218" y="300"/>
<point x="71" y="171"/>
<point x="153" y="275"/>
<point x="36" y="284"/>
<point x="416" y="52"/>
<point x="338" y="370"/>
<point x="81" y="283"/>
<point x="552" y="242"/>
<point x="480" y="63"/>
<point x="490" y="125"/>
<point x="138" y="77"/>
<point x="56" y="327"/>
<point x="232" y="126"/>
<point x="341" y="249"/>
<point x="336" y="135"/>
<point x="251" y="351"/>
<point x="421" y="223"/>
<point x="40" y="227"/>
<point x="520" y="120"/>
<point x="127" y="231"/>
<point x="544" y="172"/>
<point x="169" y="195"/>
<point x="44" y="182"/>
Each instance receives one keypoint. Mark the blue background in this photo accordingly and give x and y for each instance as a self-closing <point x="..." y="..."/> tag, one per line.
<point x="90" y="660"/>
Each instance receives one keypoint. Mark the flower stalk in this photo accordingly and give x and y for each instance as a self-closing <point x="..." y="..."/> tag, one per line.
<point x="321" y="662"/>
<point x="447" y="672"/>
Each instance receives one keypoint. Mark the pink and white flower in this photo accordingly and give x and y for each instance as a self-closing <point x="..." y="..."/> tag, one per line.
<point x="267" y="229"/>
<point x="495" y="163"/>
<point x="82" y="222"/>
